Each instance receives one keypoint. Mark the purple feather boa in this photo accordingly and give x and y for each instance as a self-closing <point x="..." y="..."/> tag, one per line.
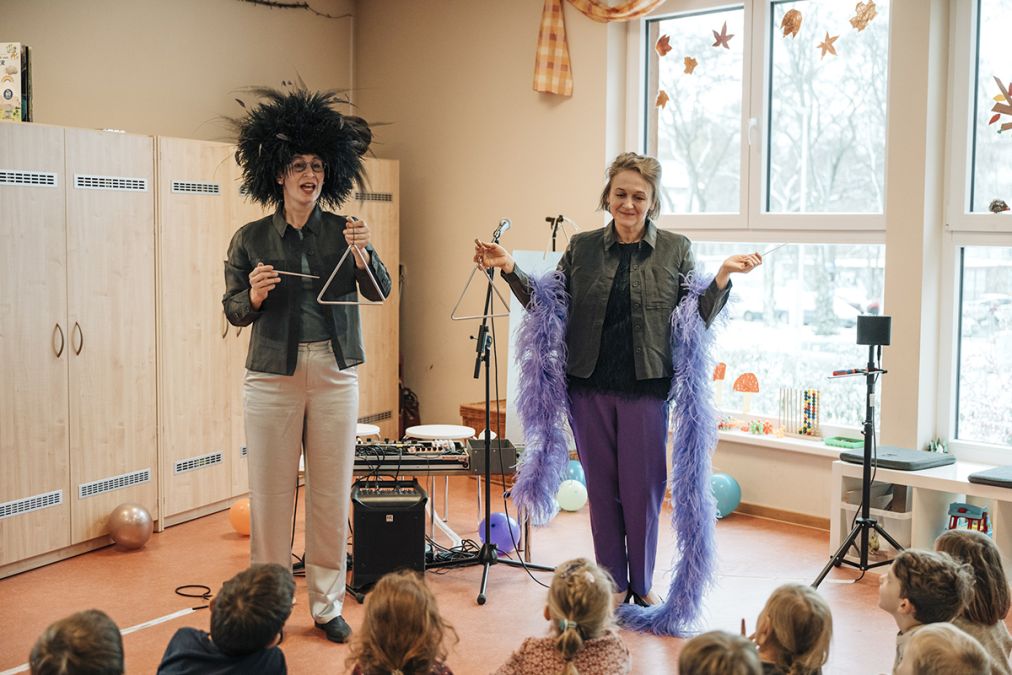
<point x="694" y="510"/>
<point x="542" y="400"/>
<point x="543" y="406"/>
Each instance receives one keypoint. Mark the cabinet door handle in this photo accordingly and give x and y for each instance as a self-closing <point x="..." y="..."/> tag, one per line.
<point x="63" y="342"/>
<point x="80" y="338"/>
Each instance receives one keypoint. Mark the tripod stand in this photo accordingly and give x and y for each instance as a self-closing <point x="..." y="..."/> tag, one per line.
<point x="864" y="524"/>
<point x="487" y="555"/>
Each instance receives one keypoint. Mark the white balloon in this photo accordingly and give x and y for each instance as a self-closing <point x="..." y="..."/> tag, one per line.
<point x="572" y="495"/>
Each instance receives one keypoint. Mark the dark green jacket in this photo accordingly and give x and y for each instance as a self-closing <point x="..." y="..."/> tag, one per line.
<point x="655" y="282"/>
<point x="274" y="344"/>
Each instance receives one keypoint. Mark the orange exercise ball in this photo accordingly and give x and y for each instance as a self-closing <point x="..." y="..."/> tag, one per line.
<point x="238" y="515"/>
<point x="130" y="525"/>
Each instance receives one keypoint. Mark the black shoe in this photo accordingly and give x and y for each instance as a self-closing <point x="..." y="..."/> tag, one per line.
<point x="337" y="629"/>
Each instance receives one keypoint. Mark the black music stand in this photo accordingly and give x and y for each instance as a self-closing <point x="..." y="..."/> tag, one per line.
<point x="487" y="555"/>
<point x="873" y="331"/>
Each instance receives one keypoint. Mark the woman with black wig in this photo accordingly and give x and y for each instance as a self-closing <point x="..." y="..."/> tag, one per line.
<point x="301" y="388"/>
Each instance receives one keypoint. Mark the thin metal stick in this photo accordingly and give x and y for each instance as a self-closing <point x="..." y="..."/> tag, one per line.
<point x="773" y="249"/>
<point x="297" y="274"/>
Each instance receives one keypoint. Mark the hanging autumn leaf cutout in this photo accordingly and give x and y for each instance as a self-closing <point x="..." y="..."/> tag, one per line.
<point x="690" y="65"/>
<point x="662" y="99"/>
<point x="864" y="12"/>
<point x="827" y="45"/>
<point x="1003" y="106"/>
<point x="791" y="23"/>
<point x="663" y="45"/>
<point x="722" y="38"/>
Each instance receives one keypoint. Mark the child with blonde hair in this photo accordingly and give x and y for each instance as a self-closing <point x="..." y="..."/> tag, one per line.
<point x="583" y="639"/>
<point x="793" y="631"/>
<point x="984" y="615"/>
<point x="943" y="649"/>
<point x="923" y="587"/>
<point x="402" y="632"/>
<point x="719" y="653"/>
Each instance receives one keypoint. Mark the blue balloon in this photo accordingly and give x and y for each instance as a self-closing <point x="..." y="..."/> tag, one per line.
<point x="505" y="531"/>
<point x="727" y="493"/>
<point x="574" y="471"/>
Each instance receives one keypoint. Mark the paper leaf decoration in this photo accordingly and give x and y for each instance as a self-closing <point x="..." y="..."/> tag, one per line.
<point x="791" y="23"/>
<point x="662" y="99"/>
<point x="719" y="371"/>
<point x="690" y="65"/>
<point x="747" y="383"/>
<point x="864" y="12"/>
<point x="1003" y="107"/>
<point x="722" y="38"/>
<point x="663" y="45"/>
<point x="827" y="45"/>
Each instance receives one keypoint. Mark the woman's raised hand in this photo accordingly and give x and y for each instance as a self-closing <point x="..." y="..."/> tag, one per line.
<point x="738" y="264"/>
<point x="492" y="255"/>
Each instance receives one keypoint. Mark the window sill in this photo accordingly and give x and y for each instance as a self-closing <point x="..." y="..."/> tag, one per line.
<point x="798" y="445"/>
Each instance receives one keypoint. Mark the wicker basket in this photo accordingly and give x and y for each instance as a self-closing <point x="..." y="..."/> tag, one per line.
<point x="473" y="415"/>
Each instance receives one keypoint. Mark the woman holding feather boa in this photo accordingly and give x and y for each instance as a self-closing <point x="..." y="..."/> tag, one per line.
<point x="603" y="330"/>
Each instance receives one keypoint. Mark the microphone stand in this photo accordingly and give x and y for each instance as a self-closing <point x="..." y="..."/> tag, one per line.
<point x="864" y="524"/>
<point x="487" y="555"/>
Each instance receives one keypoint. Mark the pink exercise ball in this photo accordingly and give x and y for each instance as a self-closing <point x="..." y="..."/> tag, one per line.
<point x="130" y="525"/>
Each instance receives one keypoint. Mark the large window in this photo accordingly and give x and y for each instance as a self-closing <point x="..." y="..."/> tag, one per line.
<point x="984" y="402"/>
<point x="827" y="112"/>
<point x="991" y="177"/>
<point x="777" y="131"/>
<point x="793" y="323"/>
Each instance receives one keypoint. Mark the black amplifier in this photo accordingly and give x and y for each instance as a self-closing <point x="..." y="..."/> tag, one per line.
<point x="389" y="526"/>
<point x="500" y="447"/>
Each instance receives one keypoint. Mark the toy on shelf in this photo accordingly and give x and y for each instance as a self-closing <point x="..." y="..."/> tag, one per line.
<point x="968" y="517"/>
<point x="718" y="377"/>
<point x="747" y="384"/>
<point x="844" y="442"/>
<point x="799" y="411"/>
<point x="727" y="423"/>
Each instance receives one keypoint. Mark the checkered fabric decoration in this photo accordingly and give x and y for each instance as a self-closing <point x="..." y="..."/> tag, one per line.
<point x="553" y="73"/>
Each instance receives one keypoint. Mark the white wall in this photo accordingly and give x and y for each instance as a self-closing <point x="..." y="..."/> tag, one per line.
<point x="476" y="143"/>
<point x="170" y="68"/>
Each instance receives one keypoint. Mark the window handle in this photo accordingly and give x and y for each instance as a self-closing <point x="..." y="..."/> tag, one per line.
<point x="752" y="124"/>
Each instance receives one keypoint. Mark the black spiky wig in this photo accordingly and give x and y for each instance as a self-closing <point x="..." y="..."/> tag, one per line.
<point x="299" y="122"/>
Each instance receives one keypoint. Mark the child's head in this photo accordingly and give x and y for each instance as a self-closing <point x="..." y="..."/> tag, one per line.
<point x="989" y="602"/>
<point x="924" y="587"/>
<point x="86" y="642"/>
<point x="943" y="649"/>
<point x="251" y="608"/>
<point x="579" y="605"/>
<point x="719" y="653"/>
<point x="402" y="629"/>
<point x="795" y="628"/>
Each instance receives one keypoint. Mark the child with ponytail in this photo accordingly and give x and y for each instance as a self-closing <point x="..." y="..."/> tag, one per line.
<point x="583" y="640"/>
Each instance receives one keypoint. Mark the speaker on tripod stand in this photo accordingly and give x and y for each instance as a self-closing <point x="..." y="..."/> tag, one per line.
<point x="875" y="332"/>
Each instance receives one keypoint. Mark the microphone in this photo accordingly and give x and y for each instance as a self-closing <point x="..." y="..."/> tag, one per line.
<point x="504" y="225"/>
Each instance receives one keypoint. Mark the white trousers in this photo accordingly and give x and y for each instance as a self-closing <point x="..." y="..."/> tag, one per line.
<point x="314" y="409"/>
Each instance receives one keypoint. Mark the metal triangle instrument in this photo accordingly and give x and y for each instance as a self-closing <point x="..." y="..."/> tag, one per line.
<point x="368" y="271"/>
<point x="488" y="278"/>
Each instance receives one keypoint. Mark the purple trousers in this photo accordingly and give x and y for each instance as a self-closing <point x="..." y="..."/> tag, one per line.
<point x="621" y="445"/>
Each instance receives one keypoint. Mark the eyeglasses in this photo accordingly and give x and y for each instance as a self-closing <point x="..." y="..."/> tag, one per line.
<point x="299" y="166"/>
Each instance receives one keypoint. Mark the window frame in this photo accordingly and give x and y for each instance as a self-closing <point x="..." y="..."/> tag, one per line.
<point x="963" y="21"/>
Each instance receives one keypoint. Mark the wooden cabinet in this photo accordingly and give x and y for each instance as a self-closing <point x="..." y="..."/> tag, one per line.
<point x="194" y="339"/>
<point x="34" y="346"/>
<point x="111" y="325"/>
<point x="77" y="344"/>
<point x="122" y="379"/>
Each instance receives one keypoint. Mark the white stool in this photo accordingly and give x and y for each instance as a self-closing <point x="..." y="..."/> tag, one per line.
<point x="440" y="432"/>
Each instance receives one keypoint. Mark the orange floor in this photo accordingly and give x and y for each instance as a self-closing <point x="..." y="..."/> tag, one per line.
<point x="755" y="556"/>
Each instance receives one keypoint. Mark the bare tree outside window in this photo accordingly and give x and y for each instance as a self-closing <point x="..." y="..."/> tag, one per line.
<point x="698" y="132"/>
<point x="827" y="114"/>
